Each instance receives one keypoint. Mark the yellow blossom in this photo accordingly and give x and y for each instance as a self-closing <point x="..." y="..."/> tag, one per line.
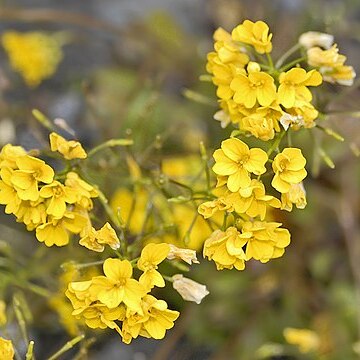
<point x="303" y="114"/>
<point x="31" y="171"/>
<point x="258" y="86"/>
<point x="226" y="249"/>
<point x="9" y="154"/>
<point x="96" y="239"/>
<point x="293" y="85"/>
<point x="237" y="161"/>
<point x="69" y="149"/>
<point x="187" y="255"/>
<point x="78" y="292"/>
<point x="56" y="231"/>
<point x="296" y="195"/>
<point x="31" y="213"/>
<point x="59" y="196"/>
<point x="250" y="200"/>
<point x="289" y="169"/>
<point x="83" y="190"/>
<point x="6" y="349"/>
<point x="154" y="322"/>
<point x="265" y="240"/>
<point x="260" y="126"/>
<point x="3" y="318"/>
<point x="35" y="55"/>
<point x="117" y="286"/>
<point x="151" y="256"/>
<point x="306" y="340"/>
<point x="8" y="194"/>
<point x="255" y="34"/>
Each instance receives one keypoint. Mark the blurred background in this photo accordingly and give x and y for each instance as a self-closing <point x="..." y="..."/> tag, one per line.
<point x="133" y="67"/>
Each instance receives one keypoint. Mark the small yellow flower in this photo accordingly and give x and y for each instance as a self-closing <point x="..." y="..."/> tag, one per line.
<point x="289" y="168"/>
<point x="226" y="249"/>
<point x="9" y="154"/>
<point x="3" y="318"/>
<point x="260" y="126"/>
<point x="296" y="196"/>
<point x="69" y="149"/>
<point x="84" y="191"/>
<point x="187" y="255"/>
<point x="237" y="161"/>
<point x="31" y="172"/>
<point x="35" y="55"/>
<point x="265" y="240"/>
<point x="8" y="194"/>
<point x="255" y="34"/>
<point x="293" y="85"/>
<point x="31" y="213"/>
<point x="6" y="349"/>
<point x="151" y="256"/>
<point x="56" y="231"/>
<point x="154" y="322"/>
<point x="118" y="286"/>
<point x="96" y="239"/>
<point x="306" y="340"/>
<point x="256" y="86"/>
<point x="59" y="196"/>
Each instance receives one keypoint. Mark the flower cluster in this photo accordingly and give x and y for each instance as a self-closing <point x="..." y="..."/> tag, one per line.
<point x="265" y="101"/>
<point x="35" y="55"/>
<point x="54" y="206"/>
<point x="106" y="301"/>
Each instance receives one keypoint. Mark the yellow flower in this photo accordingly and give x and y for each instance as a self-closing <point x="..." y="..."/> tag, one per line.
<point x="6" y="349"/>
<point x="34" y="55"/>
<point x="237" y="161"/>
<point x="59" y="196"/>
<point x="118" y="286"/>
<point x="31" y="172"/>
<point x="293" y="85"/>
<point x="154" y="322"/>
<point x="96" y="239"/>
<point x="296" y="195"/>
<point x="3" y="318"/>
<point x="255" y="34"/>
<point x="8" y="194"/>
<point x="306" y="340"/>
<point x="251" y="200"/>
<point x="314" y="38"/>
<point x="289" y="169"/>
<point x="260" y="126"/>
<point x="9" y="154"/>
<point x="78" y="292"/>
<point x="258" y="86"/>
<point x="151" y="256"/>
<point x="187" y="255"/>
<point x="31" y="213"/>
<point x="303" y="115"/>
<point x="265" y="240"/>
<point x="331" y="65"/>
<point x="189" y="290"/>
<point x="56" y="231"/>
<point x="226" y="249"/>
<point x="69" y="149"/>
<point x="83" y="190"/>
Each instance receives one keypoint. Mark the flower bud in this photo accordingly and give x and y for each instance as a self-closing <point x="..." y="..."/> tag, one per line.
<point x="314" y="38"/>
<point x="189" y="289"/>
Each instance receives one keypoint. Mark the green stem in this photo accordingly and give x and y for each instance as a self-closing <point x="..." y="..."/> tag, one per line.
<point x="286" y="55"/>
<point x="292" y="63"/>
<point x="270" y="60"/>
<point x="69" y="345"/>
<point x="276" y="143"/>
<point x="110" y="143"/>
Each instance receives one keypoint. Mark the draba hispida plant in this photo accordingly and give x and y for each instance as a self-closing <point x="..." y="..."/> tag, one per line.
<point x="261" y="98"/>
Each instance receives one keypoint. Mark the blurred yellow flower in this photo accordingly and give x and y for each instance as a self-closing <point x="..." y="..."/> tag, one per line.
<point x="306" y="340"/>
<point x="255" y="34"/>
<point x="69" y="149"/>
<point x="35" y="55"/>
<point x="3" y="318"/>
<point x="6" y="349"/>
<point x="295" y="196"/>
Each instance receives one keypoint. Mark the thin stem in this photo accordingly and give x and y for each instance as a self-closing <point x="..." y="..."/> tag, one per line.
<point x="276" y="143"/>
<point x="270" y="60"/>
<point x="292" y="63"/>
<point x="110" y="143"/>
<point x="69" y="345"/>
<point x="286" y="54"/>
